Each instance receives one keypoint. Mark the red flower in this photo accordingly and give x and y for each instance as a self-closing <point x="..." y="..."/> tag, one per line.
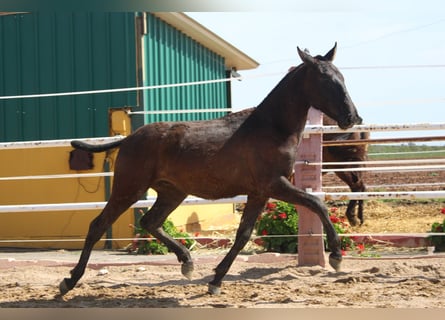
<point x="196" y="234"/>
<point x="271" y="206"/>
<point x="274" y="217"/>
<point x="334" y="219"/>
<point x="439" y="229"/>
<point x="360" y="247"/>
<point x="182" y="241"/>
<point x="283" y="215"/>
<point x="442" y="211"/>
<point x="264" y="232"/>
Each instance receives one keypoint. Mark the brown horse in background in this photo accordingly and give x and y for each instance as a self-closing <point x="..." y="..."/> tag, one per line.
<point x="250" y="153"/>
<point x="354" y="179"/>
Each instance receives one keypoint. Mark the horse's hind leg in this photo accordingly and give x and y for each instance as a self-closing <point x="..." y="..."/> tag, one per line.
<point x="360" y="211"/>
<point x="168" y="199"/>
<point x="355" y="183"/>
<point x="98" y="226"/>
<point x="128" y="186"/>
<point x="253" y="208"/>
<point x="350" y="213"/>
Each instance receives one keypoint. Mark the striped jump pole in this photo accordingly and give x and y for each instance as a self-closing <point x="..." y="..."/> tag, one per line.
<point x="310" y="248"/>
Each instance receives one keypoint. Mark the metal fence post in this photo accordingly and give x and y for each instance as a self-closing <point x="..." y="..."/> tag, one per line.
<point x="308" y="178"/>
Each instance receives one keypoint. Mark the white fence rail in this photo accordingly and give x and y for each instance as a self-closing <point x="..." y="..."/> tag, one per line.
<point x="325" y="196"/>
<point x="307" y="130"/>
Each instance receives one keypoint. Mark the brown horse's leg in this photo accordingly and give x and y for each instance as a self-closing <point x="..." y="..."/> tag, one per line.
<point x="98" y="226"/>
<point x="253" y="208"/>
<point x="360" y="211"/>
<point x="283" y="190"/>
<point x="355" y="183"/>
<point x="128" y="186"/>
<point x="350" y="213"/>
<point x="167" y="201"/>
<point x="360" y="188"/>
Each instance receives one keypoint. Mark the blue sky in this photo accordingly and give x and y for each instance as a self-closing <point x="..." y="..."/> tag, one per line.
<point x="389" y="34"/>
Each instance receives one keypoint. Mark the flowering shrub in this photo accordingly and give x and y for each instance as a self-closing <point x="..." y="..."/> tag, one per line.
<point x="142" y="245"/>
<point x="279" y="218"/>
<point x="342" y="226"/>
<point x="438" y="241"/>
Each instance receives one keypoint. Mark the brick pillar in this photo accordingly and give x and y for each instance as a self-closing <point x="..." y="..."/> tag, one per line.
<point x="308" y="178"/>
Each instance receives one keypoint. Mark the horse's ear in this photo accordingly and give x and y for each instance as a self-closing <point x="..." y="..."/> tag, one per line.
<point x="331" y="54"/>
<point x="307" y="58"/>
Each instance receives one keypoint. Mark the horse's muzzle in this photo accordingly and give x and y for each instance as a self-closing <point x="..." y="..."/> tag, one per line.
<point x="349" y="121"/>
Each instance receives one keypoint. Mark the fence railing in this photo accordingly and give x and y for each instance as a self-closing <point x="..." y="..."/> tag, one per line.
<point x="239" y="199"/>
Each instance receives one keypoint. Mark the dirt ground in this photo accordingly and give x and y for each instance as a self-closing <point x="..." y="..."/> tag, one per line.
<point x="403" y="216"/>
<point x="414" y="282"/>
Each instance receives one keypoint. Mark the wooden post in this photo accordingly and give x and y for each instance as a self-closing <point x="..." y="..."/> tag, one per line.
<point x="308" y="178"/>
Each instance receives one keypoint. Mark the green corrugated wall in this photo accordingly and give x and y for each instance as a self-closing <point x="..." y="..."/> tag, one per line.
<point x="173" y="57"/>
<point x="45" y="53"/>
<point x="62" y="52"/>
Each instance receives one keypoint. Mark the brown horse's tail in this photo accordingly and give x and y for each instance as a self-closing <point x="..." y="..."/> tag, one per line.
<point x="95" y="148"/>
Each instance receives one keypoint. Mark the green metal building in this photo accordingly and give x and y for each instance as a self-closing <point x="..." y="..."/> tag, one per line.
<point x="70" y="52"/>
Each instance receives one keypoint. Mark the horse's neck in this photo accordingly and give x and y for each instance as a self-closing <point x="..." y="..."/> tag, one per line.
<point x="286" y="107"/>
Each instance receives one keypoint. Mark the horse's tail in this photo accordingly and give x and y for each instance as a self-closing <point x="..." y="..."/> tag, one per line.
<point x="95" y="148"/>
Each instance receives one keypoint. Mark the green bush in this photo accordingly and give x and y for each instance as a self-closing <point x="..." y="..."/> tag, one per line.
<point x="438" y="241"/>
<point x="279" y="218"/>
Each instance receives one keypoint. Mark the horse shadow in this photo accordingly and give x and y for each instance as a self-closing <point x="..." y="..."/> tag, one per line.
<point x="248" y="275"/>
<point x="92" y="301"/>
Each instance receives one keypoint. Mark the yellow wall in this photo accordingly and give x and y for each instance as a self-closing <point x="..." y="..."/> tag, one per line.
<point x="204" y="219"/>
<point x="47" y="225"/>
<point x="74" y="224"/>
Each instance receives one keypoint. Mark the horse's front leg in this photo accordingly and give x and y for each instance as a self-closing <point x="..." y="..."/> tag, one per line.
<point x="253" y="208"/>
<point x="283" y="190"/>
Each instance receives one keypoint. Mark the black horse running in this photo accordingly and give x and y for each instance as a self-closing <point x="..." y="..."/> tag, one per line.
<point x="243" y="153"/>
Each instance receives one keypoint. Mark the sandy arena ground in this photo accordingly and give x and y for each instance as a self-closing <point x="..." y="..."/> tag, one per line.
<point x="263" y="280"/>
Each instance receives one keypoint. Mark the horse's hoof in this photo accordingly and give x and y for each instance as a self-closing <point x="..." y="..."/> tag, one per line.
<point x="214" y="289"/>
<point x="187" y="269"/>
<point x="335" y="262"/>
<point x="63" y="287"/>
<point x="354" y="221"/>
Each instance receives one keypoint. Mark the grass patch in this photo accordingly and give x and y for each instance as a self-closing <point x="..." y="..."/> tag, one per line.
<point x="405" y="151"/>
